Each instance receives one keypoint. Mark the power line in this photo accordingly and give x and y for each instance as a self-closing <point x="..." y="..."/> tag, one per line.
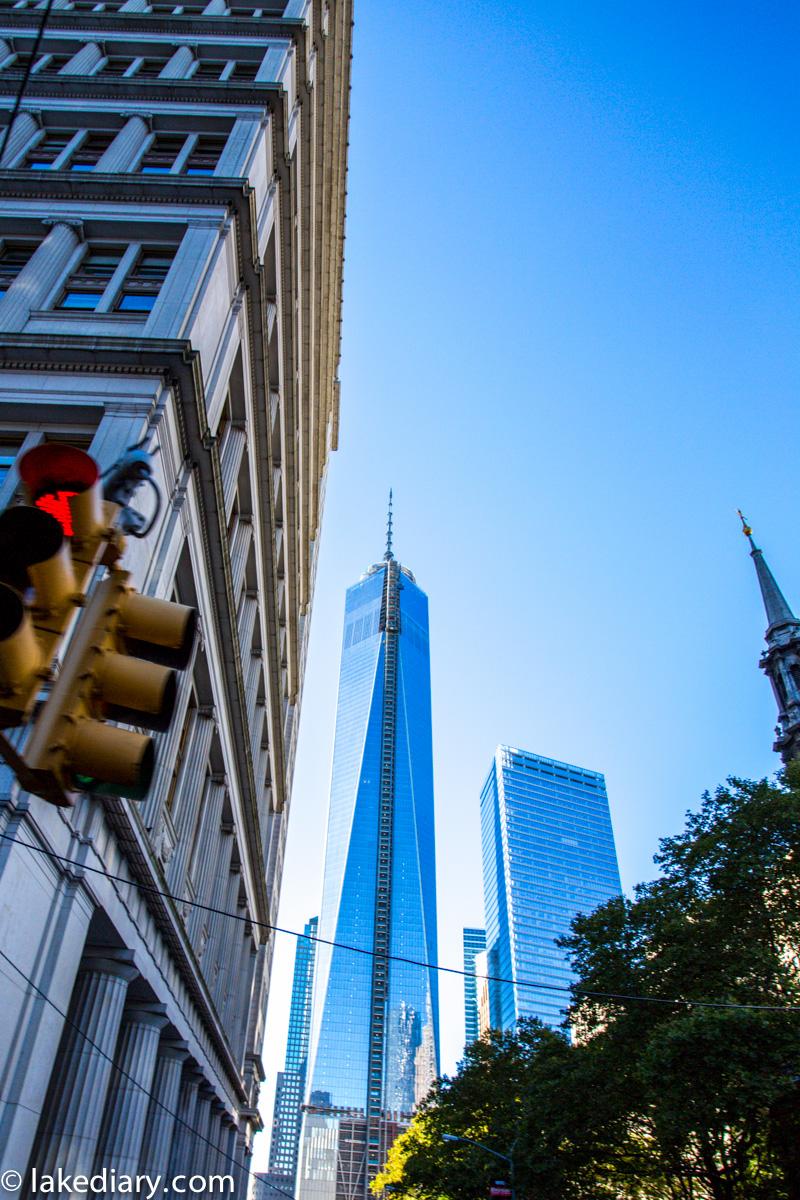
<point x="25" y="77"/>
<point x="620" y="997"/>
<point x="170" y="1112"/>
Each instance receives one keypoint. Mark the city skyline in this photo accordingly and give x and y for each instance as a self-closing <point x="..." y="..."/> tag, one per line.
<point x="601" y="364"/>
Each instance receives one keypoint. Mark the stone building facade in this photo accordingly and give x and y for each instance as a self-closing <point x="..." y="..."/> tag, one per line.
<point x="172" y="201"/>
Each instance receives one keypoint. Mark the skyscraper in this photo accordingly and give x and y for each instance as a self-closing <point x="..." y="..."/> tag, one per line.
<point x="548" y="854"/>
<point x="781" y="659"/>
<point x="474" y="943"/>
<point x="374" y="1037"/>
<point x="172" y="200"/>
<point x="291" y="1082"/>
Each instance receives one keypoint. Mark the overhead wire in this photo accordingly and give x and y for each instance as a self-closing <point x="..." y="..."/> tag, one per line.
<point x="536" y="985"/>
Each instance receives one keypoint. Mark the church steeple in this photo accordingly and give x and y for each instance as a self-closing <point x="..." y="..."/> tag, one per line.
<point x="781" y="659"/>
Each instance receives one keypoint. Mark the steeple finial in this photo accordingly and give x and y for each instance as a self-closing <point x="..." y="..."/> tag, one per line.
<point x="388" y="553"/>
<point x="777" y="609"/>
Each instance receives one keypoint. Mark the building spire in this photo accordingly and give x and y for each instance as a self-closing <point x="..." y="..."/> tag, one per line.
<point x="781" y="660"/>
<point x="778" y="610"/>
<point x="389" y="555"/>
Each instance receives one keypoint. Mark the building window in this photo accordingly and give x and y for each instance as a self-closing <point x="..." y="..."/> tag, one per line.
<point x="13" y="258"/>
<point x="87" y="284"/>
<point x="117" y="278"/>
<point x="245" y="71"/>
<point x="114" y="64"/>
<point x="160" y="157"/>
<point x="90" y="151"/>
<point x="9" y="449"/>
<point x="42" y="156"/>
<point x="51" y="64"/>
<point x="209" y="69"/>
<point x="180" y="757"/>
<point x="16" y="62"/>
<point x="180" y="154"/>
<point x="144" y="280"/>
<point x="204" y="156"/>
<point x="150" y="68"/>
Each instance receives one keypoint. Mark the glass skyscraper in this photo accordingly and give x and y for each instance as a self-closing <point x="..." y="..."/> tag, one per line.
<point x="374" y="1036"/>
<point x="548" y="854"/>
<point x="474" y="943"/>
<point x="291" y="1082"/>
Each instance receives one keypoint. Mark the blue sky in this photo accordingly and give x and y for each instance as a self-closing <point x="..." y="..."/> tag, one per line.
<point x="570" y="346"/>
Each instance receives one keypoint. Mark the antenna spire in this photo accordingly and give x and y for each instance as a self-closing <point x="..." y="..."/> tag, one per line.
<point x="388" y="553"/>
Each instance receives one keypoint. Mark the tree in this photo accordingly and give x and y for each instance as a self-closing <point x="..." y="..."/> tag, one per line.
<point x="682" y="1081"/>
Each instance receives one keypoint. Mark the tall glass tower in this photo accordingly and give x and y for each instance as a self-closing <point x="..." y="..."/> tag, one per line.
<point x="474" y="944"/>
<point x="291" y="1081"/>
<point x="375" y="1030"/>
<point x="548" y="854"/>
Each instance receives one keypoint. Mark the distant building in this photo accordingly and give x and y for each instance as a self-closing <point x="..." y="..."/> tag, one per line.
<point x="272" y="1185"/>
<point x="291" y="1083"/>
<point x="548" y="854"/>
<point x="474" y="942"/>
<point x="482" y="993"/>
<point x="375" y="1030"/>
<point x="781" y="659"/>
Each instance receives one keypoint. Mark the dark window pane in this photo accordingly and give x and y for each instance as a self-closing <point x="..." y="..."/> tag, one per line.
<point x="150" y="68"/>
<point x="44" y="153"/>
<point x="114" y="65"/>
<point x="161" y="154"/>
<point x="12" y="259"/>
<point x="209" y="69"/>
<point x="245" y="71"/>
<point x="204" y="156"/>
<point x="87" y="156"/>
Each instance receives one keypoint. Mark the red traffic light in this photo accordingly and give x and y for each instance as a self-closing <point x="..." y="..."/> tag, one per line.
<point x="64" y="482"/>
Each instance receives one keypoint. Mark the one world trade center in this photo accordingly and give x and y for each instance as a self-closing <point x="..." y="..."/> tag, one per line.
<point x="374" y="1048"/>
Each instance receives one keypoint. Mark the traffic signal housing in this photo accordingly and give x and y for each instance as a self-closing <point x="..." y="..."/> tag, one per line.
<point x="114" y="670"/>
<point x="121" y="659"/>
<point x="48" y="551"/>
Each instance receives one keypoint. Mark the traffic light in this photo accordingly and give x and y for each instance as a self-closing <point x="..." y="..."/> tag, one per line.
<point x="114" y="670"/>
<point x="48" y="550"/>
<point x="120" y="662"/>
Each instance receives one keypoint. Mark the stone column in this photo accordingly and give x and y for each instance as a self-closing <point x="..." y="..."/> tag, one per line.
<point x="82" y="63"/>
<point x="202" y="1124"/>
<point x="70" y="1123"/>
<point x="160" y="1124"/>
<point x="128" y="1094"/>
<point x="134" y="6"/>
<point x="241" y="1172"/>
<point x="24" y="129"/>
<point x="181" y="1154"/>
<point x="215" y="8"/>
<point x="178" y="66"/>
<point x="35" y="281"/>
<point x="125" y="147"/>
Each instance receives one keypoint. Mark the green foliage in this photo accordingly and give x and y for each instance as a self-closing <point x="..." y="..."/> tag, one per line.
<point x="658" y="1097"/>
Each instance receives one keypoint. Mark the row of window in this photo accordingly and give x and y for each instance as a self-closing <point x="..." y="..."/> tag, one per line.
<point x="165" y="153"/>
<point x="131" y="66"/>
<point x="108" y="278"/>
<point x="161" y="9"/>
